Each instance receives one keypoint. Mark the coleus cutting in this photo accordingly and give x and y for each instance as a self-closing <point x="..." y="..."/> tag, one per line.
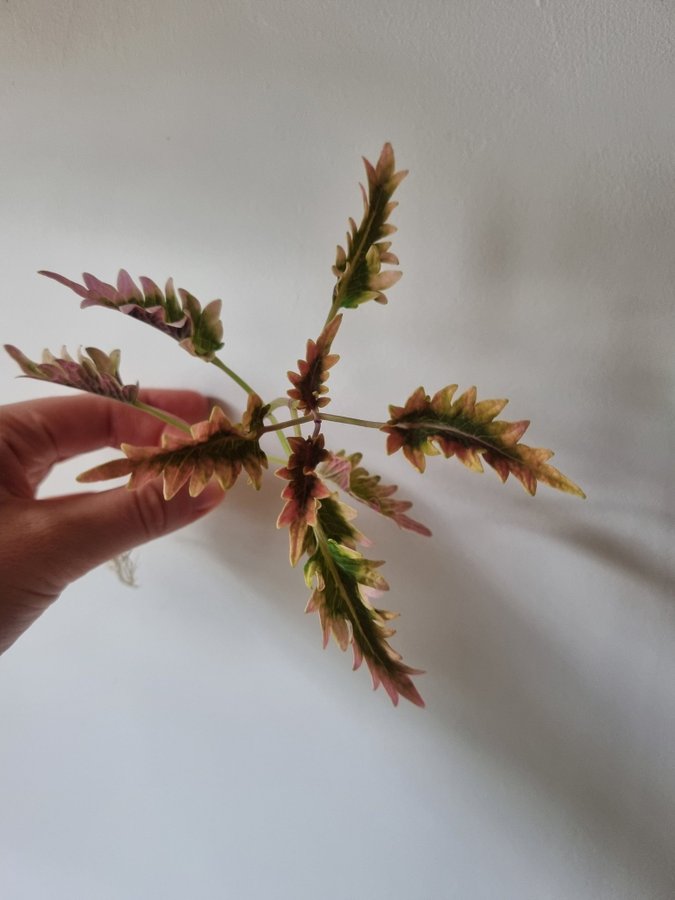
<point x="344" y="584"/>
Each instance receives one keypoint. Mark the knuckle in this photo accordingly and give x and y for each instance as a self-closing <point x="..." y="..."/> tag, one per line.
<point x="151" y="511"/>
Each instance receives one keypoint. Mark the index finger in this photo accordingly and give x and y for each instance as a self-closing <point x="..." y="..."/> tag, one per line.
<point x="39" y="433"/>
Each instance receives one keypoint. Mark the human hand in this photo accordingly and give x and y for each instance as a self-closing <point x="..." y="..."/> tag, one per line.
<point x="46" y="544"/>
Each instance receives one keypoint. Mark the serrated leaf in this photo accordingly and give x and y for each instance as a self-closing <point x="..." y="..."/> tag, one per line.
<point x="358" y="268"/>
<point x="303" y="493"/>
<point x="335" y="519"/>
<point x="340" y="576"/>
<point x="214" y="449"/>
<point x="97" y="373"/>
<point x="309" y="383"/>
<point x="199" y="331"/>
<point x="470" y="431"/>
<point x="341" y="579"/>
<point x="352" y="478"/>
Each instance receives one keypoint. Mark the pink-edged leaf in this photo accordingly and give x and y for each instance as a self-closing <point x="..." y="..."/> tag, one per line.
<point x="96" y="373"/>
<point x="470" y="431"/>
<point x="214" y="449"/>
<point x="309" y="383"/>
<point x="358" y="268"/>
<point x="199" y="331"/>
<point x="304" y="491"/>
<point x="342" y="580"/>
<point x="351" y="477"/>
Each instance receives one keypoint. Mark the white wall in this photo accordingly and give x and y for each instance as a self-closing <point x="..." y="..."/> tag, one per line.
<point x="190" y="737"/>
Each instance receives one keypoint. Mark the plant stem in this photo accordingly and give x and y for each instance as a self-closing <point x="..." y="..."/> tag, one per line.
<point x="164" y="416"/>
<point x="333" y="310"/>
<point x="233" y="375"/>
<point x="249" y="390"/>
<point x="328" y="417"/>
<point x="276" y="426"/>
<point x="296" y="421"/>
<point x="348" y="420"/>
<point x="283" y="440"/>
<point x="277" y="460"/>
<point x="280" y="401"/>
<point x="294" y="412"/>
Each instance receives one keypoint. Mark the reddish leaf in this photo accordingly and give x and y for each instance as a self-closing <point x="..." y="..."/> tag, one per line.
<point x="309" y="384"/>
<point x="304" y="492"/>
<point x="346" y="472"/>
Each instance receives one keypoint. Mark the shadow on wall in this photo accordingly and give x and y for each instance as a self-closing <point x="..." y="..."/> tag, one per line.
<point x="508" y="683"/>
<point x="523" y="699"/>
<point x="560" y="730"/>
<point x="501" y="680"/>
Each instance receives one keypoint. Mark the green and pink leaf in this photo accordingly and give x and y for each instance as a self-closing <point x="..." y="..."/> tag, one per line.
<point x="358" y="268"/>
<point x="309" y="383"/>
<point x="97" y="372"/>
<point x="351" y="477"/>
<point x="304" y="491"/>
<point x="342" y="580"/>
<point x="469" y="430"/>
<point x="214" y="449"/>
<point x="199" y="331"/>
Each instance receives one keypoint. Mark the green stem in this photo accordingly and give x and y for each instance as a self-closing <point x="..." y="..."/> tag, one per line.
<point x="348" y="420"/>
<point x="233" y="375"/>
<point x="249" y="390"/>
<point x="277" y="460"/>
<point x="164" y="416"/>
<point x="294" y="412"/>
<point x="288" y="424"/>
<point x="283" y="440"/>
<point x="280" y="401"/>
<point x="323" y="416"/>
<point x="335" y="308"/>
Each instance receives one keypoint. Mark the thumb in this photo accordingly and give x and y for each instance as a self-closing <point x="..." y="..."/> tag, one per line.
<point x="82" y="531"/>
